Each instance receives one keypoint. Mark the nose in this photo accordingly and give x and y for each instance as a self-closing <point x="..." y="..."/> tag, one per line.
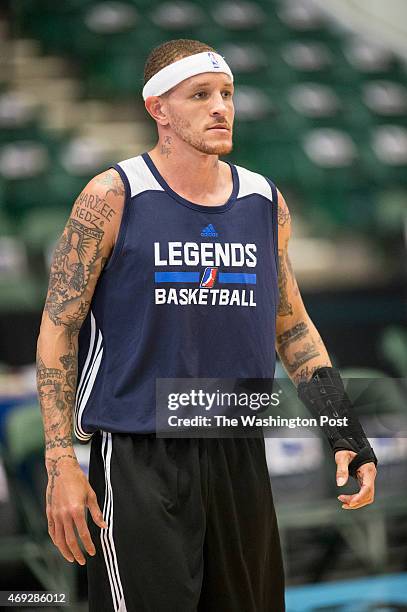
<point x="218" y="104"/>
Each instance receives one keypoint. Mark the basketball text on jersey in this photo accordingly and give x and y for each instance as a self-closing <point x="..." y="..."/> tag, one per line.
<point x="204" y="262"/>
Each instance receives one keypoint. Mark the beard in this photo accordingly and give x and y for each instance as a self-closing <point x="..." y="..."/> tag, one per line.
<point x="182" y="128"/>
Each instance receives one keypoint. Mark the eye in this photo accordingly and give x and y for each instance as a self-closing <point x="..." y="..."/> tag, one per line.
<point x="228" y="93"/>
<point x="198" y="94"/>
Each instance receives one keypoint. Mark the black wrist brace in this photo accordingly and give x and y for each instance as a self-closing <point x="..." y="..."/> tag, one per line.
<point x="325" y="395"/>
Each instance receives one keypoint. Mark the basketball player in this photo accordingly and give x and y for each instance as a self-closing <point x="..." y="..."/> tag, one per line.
<point x="167" y="267"/>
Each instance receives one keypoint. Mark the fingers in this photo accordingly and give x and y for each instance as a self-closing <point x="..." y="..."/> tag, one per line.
<point x="364" y="497"/>
<point x="94" y="509"/>
<point x="343" y="458"/>
<point x="60" y="542"/>
<point x="72" y="541"/>
<point x="62" y="532"/>
<point x="342" y="474"/>
<point x="366" y="476"/>
<point x="83" y="532"/>
<point x="62" y="522"/>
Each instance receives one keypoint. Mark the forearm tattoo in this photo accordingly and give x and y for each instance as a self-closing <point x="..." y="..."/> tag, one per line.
<point x="296" y="346"/>
<point x="77" y="261"/>
<point x="304" y="374"/>
<point x="56" y="392"/>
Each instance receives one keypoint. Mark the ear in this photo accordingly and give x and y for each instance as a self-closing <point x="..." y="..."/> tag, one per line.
<point x="156" y="107"/>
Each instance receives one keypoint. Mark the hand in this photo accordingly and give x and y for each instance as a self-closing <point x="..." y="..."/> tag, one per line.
<point x="366" y="475"/>
<point x="68" y="494"/>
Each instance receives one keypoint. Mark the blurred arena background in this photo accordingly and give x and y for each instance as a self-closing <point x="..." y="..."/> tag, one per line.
<point x="321" y="108"/>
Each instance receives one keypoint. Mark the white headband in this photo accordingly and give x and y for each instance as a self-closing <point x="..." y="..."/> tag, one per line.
<point x="184" y="68"/>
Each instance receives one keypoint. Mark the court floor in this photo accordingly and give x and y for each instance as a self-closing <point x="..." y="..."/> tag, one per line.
<point x="374" y="594"/>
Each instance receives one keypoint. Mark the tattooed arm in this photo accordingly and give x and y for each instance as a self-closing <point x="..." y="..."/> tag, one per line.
<point x="298" y="343"/>
<point x="302" y="351"/>
<point x="78" y="260"/>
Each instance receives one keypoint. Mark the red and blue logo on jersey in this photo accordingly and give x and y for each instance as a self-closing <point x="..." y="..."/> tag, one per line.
<point x="209" y="277"/>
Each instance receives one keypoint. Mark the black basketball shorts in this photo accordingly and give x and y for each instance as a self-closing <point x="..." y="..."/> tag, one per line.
<point x="191" y="526"/>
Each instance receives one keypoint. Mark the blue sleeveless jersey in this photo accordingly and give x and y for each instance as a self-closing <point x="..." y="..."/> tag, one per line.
<point x="188" y="291"/>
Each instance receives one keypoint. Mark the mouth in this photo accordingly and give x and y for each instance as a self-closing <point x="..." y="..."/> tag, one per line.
<point x="219" y="129"/>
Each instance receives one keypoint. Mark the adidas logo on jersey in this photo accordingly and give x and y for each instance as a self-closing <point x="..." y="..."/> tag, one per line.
<point x="210" y="231"/>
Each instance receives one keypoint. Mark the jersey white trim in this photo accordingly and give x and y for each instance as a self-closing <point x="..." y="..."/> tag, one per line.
<point x="251" y="183"/>
<point x="88" y="377"/>
<point x="91" y="344"/>
<point x="139" y="176"/>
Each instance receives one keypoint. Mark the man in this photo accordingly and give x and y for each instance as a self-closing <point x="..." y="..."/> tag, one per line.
<point x="187" y="524"/>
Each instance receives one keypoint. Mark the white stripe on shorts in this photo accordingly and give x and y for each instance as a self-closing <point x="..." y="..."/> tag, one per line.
<point x="106" y="535"/>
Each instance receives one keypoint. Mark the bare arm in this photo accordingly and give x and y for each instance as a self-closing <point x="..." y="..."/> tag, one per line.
<point x="298" y="342"/>
<point x="78" y="260"/>
<point x="302" y="351"/>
